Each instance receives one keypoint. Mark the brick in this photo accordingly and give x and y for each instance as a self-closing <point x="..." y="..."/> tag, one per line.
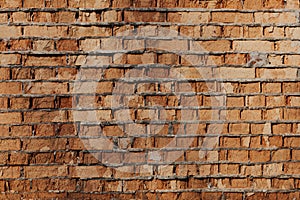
<point x="254" y="4"/>
<point x="4" y="73"/>
<point x="232" y="31"/>
<point x="274" y="4"/>
<point x="3" y="103"/>
<point x="232" y="17"/>
<point x="210" y="31"/>
<point x="45" y="171"/>
<point x="251" y="115"/>
<point x="10" y="59"/>
<point x="10" y="118"/>
<point x="56" y="3"/>
<point x="10" y="144"/>
<point x="274" y="32"/>
<point x="138" y="16"/>
<point x="111" y="16"/>
<point x="259" y="156"/>
<point x="19" y="103"/>
<point x="252" y="170"/>
<point x="188" y="17"/>
<point x="10" y="31"/>
<point x="236" y="73"/>
<point x="90" y="171"/>
<point x="46" y="87"/>
<point x="67" y="45"/>
<point x="21" y="73"/>
<point x="33" y="4"/>
<point x="18" y="158"/>
<point x="44" y="60"/>
<point x="88" y="4"/>
<point x="22" y="130"/>
<point x="10" y="172"/>
<point x="283" y="183"/>
<point x="43" y="45"/>
<point x="207" y="46"/>
<point x="11" y="4"/>
<point x="248" y="46"/>
<point x="287" y="73"/>
<point x="274" y="169"/>
<point x="275" y="101"/>
<point x="238" y="156"/>
<point x="271" y="87"/>
<point x="285" y="17"/>
<point x="291" y="114"/>
<point x="20" y="45"/>
<point x="45" y="31"/>
<point x="281" y="155"/>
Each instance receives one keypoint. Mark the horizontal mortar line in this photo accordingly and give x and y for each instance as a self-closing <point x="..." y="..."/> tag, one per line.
<point x="151" y="9"/>
<point x="149" y="50"/>
<point x="151" y="94"/>
<point x="121" y="81"/>
<point x="118" y="23"/>
<point x="162" y="23"/>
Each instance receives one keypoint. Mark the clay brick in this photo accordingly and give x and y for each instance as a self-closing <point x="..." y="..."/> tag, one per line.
<point x="291" y="114"/>
<point x="267" y="17"/>
<point x="88" y="4"/>
<point x="19" y="103"/>
<point x="90" y="171"/>
<point x="246" y="46"/>
<point x="10" y="118"/>
<point x="281" y="155"/>
<point x="10" y="31"/>
<point x="271" y="87"/>
<point x="10" y="144"/>
<point x="188" y="17"/>
<point x="251" y="115"/>
<point x="46" y="87"/>
<point x="10" y="172"/>
<point x="238" y="155"/>
<point x="33" y="4"/>
<point x="4" y="73"/>
<point x="56" y="3"/>
<point x="205" y="46"/>
<point x="3" y="103"/>
<point x="252" y="170"/>
<point x="138" y="16"/>
<point x="43" y="45"/>
<point x="44" y="60"/>
<point x="10" y="59"/>
<point x="274" y="169"/>
<point x="259" y="156"/>
<point x="287" y="73"/>
<point x="20" y="45"/>
<point x="275" y="4"/>
<point x="67" y="45"/>
<point x="232" y="17"/>
<point x="18" y="158"/>
<point x="290" y="87"/>
<point x="253" y="4"/>
<point x="11" y="4"/>
<point x="45" y="171"/>
<point x="45" y="31"/>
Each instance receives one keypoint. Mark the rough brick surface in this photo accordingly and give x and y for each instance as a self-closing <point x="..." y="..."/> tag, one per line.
<point x="149" y="99"/>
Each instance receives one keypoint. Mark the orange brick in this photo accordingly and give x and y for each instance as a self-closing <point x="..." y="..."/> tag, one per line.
<point x="238" y="156"/>
<point x="139" y="16"/>
<point x="232" y="17"/>
<point x="67" y="45"/>
<point x="10" y="118"/>
<point x="259" y="156"/>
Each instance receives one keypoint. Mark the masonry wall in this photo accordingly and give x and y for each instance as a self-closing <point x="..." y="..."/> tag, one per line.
<point x="149" y="99"/>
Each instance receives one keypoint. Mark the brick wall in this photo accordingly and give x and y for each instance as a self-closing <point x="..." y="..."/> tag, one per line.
<point x="149" y="99"/>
